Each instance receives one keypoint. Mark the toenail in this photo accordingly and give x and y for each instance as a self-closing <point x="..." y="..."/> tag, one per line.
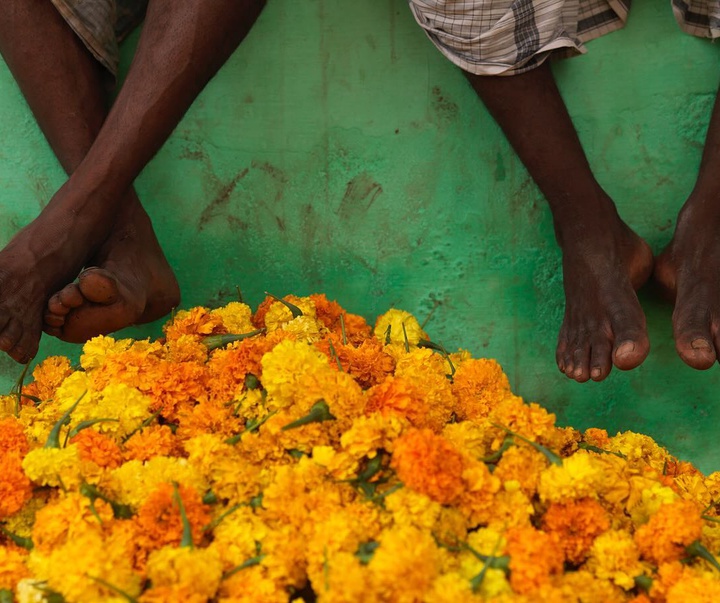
<point x="596" y="372"/>
<point x="625" y="348"/>
<point x="701" y="344"/>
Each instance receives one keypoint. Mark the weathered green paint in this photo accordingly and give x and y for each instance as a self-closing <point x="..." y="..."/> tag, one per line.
<point x="339" y="152"/>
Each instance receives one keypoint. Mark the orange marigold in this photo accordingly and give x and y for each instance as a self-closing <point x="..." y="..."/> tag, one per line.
<point x="367" y="363"/>
<point x="596" y="437"/>
<point x="402" y="398"/>
<point x="98" y="448"/>
<point x="329" y="312"/>
<point x="48" y="375"/>
<point x="159" y="522"/>
<point x="15" y="487"/>
<point x="429" y="464"/>
<point x="155" y="440"/>
<point x="478" y="385"/>
<point x="534" y="557"/>
<point x="12" y="437"/>
<point x="177" y="385"/>
<point x="207" y="417"/>
<point x="575" y="525"/>
<point x="197" y="321"/>
<point x="675" y="526"/>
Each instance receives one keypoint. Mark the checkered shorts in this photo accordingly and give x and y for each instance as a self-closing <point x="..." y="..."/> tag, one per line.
<point x="505" y="37"/>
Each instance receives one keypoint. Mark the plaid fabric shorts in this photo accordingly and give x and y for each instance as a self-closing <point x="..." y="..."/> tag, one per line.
<point x="506" y="37"/>
<point x="102" y="24"/>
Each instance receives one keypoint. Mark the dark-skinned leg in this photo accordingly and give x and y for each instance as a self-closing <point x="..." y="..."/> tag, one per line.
<point x="65" y="89"/>
<point x="689" y="268"/>
<point x="182" y="46"/>
<point x="604" y="261"/>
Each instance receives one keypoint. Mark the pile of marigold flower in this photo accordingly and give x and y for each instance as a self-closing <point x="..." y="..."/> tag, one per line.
<point x="297" y="454"/>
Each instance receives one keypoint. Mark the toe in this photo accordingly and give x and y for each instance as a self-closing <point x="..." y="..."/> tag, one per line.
<point x="55" y="306"/>
<point x="10" y="335"/>
<point x="71" y="297"/>
<point x="581" y="363"/>
<point x="600" y="359"/>
<point x="693" y="338"/>
<point x="631" y="341"/>
<point x="54" y="320"/>
<point x="98" y="286"/>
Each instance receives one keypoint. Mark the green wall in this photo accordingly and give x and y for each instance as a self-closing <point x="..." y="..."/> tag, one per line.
<point x="337" y="151"/>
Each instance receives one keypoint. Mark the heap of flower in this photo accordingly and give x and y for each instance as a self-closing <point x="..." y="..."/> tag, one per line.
<point x="297" y="454"/>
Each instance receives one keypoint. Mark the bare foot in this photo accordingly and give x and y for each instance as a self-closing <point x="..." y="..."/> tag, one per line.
<point x="688" y="270"/>
<point x="604" y="325"/>
<point x="130" y="283"/>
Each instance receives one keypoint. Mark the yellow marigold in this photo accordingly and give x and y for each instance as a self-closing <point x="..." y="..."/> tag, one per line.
<point x="252" y="585"/>
<point x="133" y="367"/>
<point x="479" y="489"/>
<point x="342" y="579"/>
<point x="305" y="328"/>
<point x="339" y="390"/>
<point x="577" y="477"/>
<point x="78" y="568"/>
<point x="199" y="322"/>
<point x="12" y="438"/>
<point x="283" y="366"/>
<point x="48" y="375"/>
<point x="534" y="558"/>
<point x="453" y="588"/>
<point x="97" y="448"/>
<point x="184" y="574"/>
<point x="67" y="518"/>
<point x="471" y="437"/>
<point x="159" y="521"/>
<point x="419" y="565"/>
<point x="411" y="508"/>
<point x="237" y="535"/>
<point x="98" y="349"/>
<point x="429" y="464"/>
<point x="395" y="320"/>
<point x="651" y="497"/>
<point x="509" y="507"/>
<point x="614" y="556"/>
<point x="529" y="420"/>
<point x="155" y="440"/>
<point x="428" y="371"/>
<point x="370" y="433"/>
<point x="699" y="588"/>
<point x="639" y="447"/>
<point x="12" y="567"/>
<point x="583" y="586"/>
<point x="15" y="487"/>
<point x="236" y="317"/>
<point x="575" y="525"/>
<point x="131" y="483"/>
<point x="675" y="526"/>
<point x="278" y="315"/>
<point x="53" y="466"/>
<point x="523" y="465"/>
<point x="478" y="385"/>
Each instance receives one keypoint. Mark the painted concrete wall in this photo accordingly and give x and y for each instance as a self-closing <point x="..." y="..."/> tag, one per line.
<point x="338" y="151"/>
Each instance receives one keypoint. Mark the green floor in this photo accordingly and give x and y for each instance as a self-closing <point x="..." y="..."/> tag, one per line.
<point x="339" y="152"/>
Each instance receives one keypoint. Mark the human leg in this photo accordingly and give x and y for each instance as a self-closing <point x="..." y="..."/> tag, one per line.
<point x="604" y="261"/>
<point x="689" y="267"/>
<point x="182" y="46"/>
<point x="65" y="89"/>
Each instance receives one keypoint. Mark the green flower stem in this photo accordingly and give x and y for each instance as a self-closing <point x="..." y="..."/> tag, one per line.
<point x="319" y="412"/>
<point x="85" y="424"/>
<point x="697" y="549"/>
<point x="113" y="588"/>
<point x="294" y="310"/>
<point x="120" y="510"/>
<point x="21" y="541"/>
<point x="53" y="440"/>
<point x="212" y="342"/>
<point x="17" y="389"/>
<point x="425" y="343"/>
<point x="549" y="454"/>
<point x="187" y="539"/>
<point x="245" y="564"/>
